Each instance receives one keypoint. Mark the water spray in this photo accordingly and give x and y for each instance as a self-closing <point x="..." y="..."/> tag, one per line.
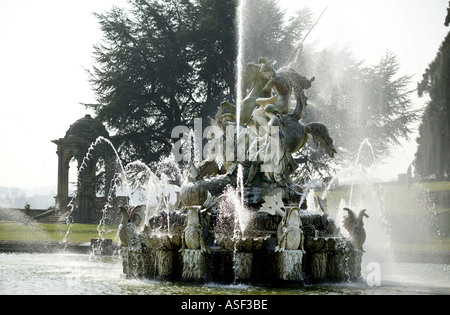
<point x="304" y="39"/>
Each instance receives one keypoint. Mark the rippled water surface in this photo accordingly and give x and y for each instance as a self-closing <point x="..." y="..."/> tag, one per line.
<point x="48" y="274"/>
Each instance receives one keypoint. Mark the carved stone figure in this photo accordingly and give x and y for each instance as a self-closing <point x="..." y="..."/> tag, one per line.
<point x="355" y="226"/>
<point x="290" y="236"/>
<point x="271" y="156"/>
<point x="255" y="79"/>
<point x="192" y="237"/>
<point x="275" y="150"/>
<point x="284" y="83"/>
<point x="127" y="228"/>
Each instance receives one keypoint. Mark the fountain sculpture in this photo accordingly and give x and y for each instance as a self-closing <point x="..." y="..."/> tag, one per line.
<point x="241" y="217"/>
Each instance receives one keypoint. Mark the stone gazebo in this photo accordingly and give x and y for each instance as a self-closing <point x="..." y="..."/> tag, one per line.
<point x="75" y="145"/>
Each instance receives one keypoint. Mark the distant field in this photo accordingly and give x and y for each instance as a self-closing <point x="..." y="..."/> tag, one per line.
<point x="10" y="231"/>
<point x="419" y="216"/>
<point x="398" y="199"/>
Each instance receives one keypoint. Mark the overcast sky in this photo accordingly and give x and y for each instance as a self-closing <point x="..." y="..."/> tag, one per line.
<point x="45" y="46"/>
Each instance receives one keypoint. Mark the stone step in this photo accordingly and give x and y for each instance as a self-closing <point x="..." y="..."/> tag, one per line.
<point x="50" y="218"/>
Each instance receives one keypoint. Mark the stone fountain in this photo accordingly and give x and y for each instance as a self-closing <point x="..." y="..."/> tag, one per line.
<point x="241" y="218"/>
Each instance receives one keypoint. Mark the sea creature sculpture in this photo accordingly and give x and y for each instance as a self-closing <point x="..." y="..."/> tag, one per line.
<point x="355" y="226"/>
<point x="284" y="83"/>
<point x="192" y="236"/>
<point x="290" y="235"/>
<point x="128" y="226"/>
<point x="286" y="133"/>
<point x="255" y="79"/>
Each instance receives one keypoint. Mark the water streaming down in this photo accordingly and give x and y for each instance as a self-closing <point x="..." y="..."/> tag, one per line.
<point x="360" y="166"/>
<point x="153" y="190"/>
<point x="367" y="192"/>
<point x="242" y="214"/>
<point x="242" y="218"/>
<point x="122" y="174"/>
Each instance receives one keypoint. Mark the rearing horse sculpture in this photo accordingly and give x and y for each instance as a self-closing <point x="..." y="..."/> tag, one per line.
<point x="254" y="80"/>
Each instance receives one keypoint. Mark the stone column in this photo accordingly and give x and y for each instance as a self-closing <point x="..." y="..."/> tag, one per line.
<point x="290" y="265"/>
<point x="195" y="265"/>
<point x="62" y="197"/>
<point x="243" y="266"/>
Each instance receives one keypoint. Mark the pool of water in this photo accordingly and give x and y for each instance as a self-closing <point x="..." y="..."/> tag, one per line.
<point x="60" y="274"/>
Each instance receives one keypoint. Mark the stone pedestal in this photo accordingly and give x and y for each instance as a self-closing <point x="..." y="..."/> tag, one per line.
<point x="132" y="262"/>
<point x="243" y="265"/>
<point x="318" y="265"/>
<point x="165" y="262"/>
<point x="195" y="265"/>
<point x="290" y="265"/>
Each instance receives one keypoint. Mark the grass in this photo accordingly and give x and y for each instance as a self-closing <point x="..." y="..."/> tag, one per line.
<point x="12" y="231"/>
<point x="398" y="199"/>
<point x="402" y="205"/>
<point x="414" y="213"/>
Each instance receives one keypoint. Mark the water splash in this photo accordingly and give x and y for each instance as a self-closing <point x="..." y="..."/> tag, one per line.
<point x="359" y="165"/>
<point x="329" y="187"/>
<point x="308" y="188"/>
<point x="145" y="183"/>
<point x="368" y="193"/>
<point x="109" y="200"/>
<point x="71" y="206"/>
<point x="242" y="215"/>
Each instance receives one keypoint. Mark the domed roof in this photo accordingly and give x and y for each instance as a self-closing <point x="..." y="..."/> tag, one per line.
<point x="87" y="128"/>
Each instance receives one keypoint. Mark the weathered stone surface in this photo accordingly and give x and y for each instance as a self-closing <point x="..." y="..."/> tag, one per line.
<point x="243" y="221"/>
<point x="289" y="265"/>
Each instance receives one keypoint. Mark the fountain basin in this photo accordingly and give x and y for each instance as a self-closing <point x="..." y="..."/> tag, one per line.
<point x="241" y="258"/>
<point x="244" y="244"/>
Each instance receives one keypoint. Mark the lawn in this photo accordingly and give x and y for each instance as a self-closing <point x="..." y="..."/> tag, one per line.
<point x="53" y="232"/>
<point x="408" y="208"/>
<point x="419" y="199"/>
<point x="418" y="216"/>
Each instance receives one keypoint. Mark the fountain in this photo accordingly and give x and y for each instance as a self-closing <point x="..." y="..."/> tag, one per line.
<point x="241" y="218"/>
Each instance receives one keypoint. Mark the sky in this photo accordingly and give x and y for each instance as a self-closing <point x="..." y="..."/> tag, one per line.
<point x="46" y="47"/>
<point x="411" y="29"/>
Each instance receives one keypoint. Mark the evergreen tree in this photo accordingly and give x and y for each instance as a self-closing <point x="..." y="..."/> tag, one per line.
<point x="357" y="103"/>
<point x="163" y="63"/>
<point x="160" y="65"/>
<point x="269" y="33"/>
<point x="433" y="153"/>
<point x="447" y="19"/>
